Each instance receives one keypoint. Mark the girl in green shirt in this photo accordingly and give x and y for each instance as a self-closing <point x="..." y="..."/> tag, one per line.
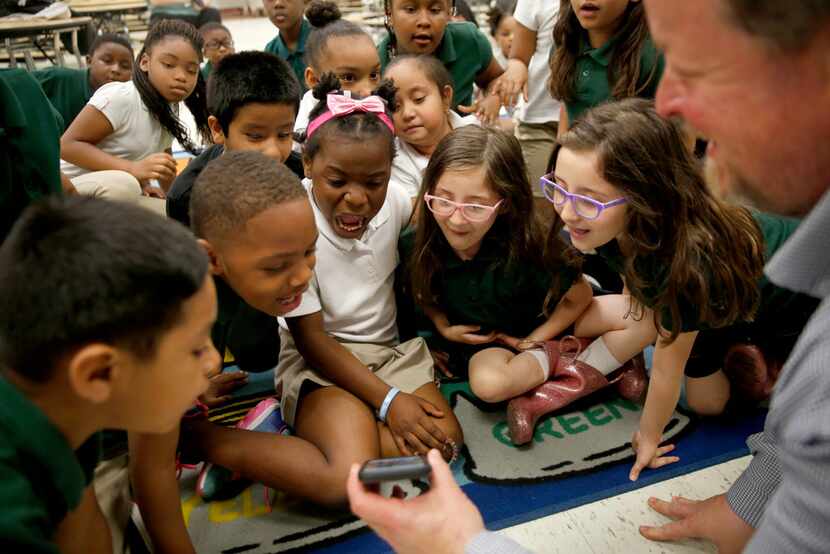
<point x="603" y="52"/>
<point x="626" y="185"/>
<point x="479" y="266"/>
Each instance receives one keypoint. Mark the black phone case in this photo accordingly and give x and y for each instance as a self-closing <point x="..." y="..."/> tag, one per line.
<point x="394" y="469"/>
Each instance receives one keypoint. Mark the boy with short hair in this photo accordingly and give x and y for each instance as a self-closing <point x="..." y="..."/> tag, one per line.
<point x="253" y="101"/>
<point x="98" y="301"/>
<point x="110" y="59"/>
<point x="254" y="219"/>
<point x="218" y="45"/>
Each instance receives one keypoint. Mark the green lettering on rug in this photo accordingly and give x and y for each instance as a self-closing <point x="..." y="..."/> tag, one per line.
<point x="570" y="424"/>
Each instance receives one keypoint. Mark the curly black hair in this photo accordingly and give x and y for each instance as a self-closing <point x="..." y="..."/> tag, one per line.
<point x="157" y="105"/>
<point x="359" y="125"/>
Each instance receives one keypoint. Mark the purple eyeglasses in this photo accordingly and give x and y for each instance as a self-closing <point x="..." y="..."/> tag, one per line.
<point x="585" y="207"/>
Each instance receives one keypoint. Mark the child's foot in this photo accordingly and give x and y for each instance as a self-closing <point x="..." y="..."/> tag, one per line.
<point x="218" y="483"/>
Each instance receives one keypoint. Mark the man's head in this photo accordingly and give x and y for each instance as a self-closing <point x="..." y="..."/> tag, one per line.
<point x="752" y="77"/>
<point x="109" y="305"/>
<point x="253" y="98"/>
<point x="255" y="221"/>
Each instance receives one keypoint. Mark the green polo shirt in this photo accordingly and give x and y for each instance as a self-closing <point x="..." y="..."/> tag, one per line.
<point x="295" y="58"/>
<point x="592" y="86"/>
<point x="778" y="306"/>
<point x="464" y="51"/>
<point x="243" y="335"/>
<point x="42" y="477"/>
<point x="489" y="292"/>
<point x="30" y="131"/>
<point x="67" y="89"/>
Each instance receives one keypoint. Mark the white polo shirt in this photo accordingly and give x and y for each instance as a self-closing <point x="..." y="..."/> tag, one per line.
<point x="135" y="135"/>
<point x="353" y="281"/>
<point x="539" y="16"/>
<point x="409" y="165"/>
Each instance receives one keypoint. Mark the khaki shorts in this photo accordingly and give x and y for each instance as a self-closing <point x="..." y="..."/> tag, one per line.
<point x="537" y="141"/>
<point x="408" y="366"/>
<point x="119" y="186"/>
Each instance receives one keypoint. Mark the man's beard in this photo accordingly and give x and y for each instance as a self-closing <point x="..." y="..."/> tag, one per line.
<point x="731" y="186"/>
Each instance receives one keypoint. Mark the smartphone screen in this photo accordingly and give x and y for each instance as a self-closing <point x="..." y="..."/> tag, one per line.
<point x="394" y="469"/>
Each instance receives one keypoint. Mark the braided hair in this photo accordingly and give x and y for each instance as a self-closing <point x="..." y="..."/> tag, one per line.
<point x="392" y="47"/>
<point x="156" y="104"/>
<point x="359" y="125"/>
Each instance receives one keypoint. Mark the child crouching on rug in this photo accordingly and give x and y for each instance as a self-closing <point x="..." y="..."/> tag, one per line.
<point x="349" y="386"/>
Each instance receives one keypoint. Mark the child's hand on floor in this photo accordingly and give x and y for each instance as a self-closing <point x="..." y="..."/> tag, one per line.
<point x="410" y="421"/>
<point x="221" y="386"/>
<point x="649" y="454"/>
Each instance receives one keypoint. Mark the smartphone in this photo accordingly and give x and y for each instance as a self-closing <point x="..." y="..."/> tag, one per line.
<point x="394" y="469"/>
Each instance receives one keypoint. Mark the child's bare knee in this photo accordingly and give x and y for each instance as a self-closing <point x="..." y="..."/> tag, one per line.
<point x="488" y="384"/>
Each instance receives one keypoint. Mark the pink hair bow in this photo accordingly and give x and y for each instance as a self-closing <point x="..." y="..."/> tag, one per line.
<point x="340" y="105"/>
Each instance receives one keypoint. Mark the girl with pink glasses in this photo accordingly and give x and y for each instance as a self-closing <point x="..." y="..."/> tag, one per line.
<point x="479" y="267"/>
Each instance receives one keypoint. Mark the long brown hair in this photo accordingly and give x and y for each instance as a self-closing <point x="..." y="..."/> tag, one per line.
<point x="713" y="252"/>
<point x="516" y="229"/>
<point x="624" y="69"/>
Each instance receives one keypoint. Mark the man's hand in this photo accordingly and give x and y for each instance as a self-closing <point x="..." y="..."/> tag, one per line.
<point x="711" y="519"/>
<point x="442" y="520"/>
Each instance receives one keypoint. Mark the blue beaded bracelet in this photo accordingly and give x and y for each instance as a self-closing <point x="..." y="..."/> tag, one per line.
<point x="387" y="402"/>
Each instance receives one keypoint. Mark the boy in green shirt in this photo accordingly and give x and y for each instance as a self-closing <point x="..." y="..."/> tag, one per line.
<point x="105" y="317"/>
<point x="110" y="59"/>
<point x="294" y="28"/>
<point x="30" y="131"/>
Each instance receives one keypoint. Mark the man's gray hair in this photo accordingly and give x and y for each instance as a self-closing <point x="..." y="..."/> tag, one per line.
<point x="787" y="25"/>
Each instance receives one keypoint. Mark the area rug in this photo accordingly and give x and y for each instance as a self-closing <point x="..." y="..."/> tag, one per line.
<point x="578" y="455"/>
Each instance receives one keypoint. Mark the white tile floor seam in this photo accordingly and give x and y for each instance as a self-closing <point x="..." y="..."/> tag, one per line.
<point x="604" y="527"/>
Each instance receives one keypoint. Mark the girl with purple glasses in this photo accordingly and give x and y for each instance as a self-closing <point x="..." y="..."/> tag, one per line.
<point x="626" y="187"/>
<point x="479" y="268"/>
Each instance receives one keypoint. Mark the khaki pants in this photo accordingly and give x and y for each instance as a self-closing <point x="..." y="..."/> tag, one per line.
<point x="119" y="186"/>
<point x="537" y="141"/>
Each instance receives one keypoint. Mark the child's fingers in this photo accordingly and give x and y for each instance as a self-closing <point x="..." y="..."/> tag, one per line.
<point x="435" y="433"/>
<point x="230" y="377"/>
<point x="429" y="407"/>
<point x="639" y="465"/>
<point x="415" y="442"/>
<point x="663" y="461"/>
<point x="401" y="444"/>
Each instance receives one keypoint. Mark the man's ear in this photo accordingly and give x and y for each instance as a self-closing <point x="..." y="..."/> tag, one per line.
<point x="216" y="131"/>
<point x="215" y="263"/>
<point x="311" y="79"/>
<point x="88" y="60"/>
<point x="93" y="370"/>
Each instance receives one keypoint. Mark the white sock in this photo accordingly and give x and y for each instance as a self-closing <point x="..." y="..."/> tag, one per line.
<point x="541" y="357"/>
<point x="599" y="357"/>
